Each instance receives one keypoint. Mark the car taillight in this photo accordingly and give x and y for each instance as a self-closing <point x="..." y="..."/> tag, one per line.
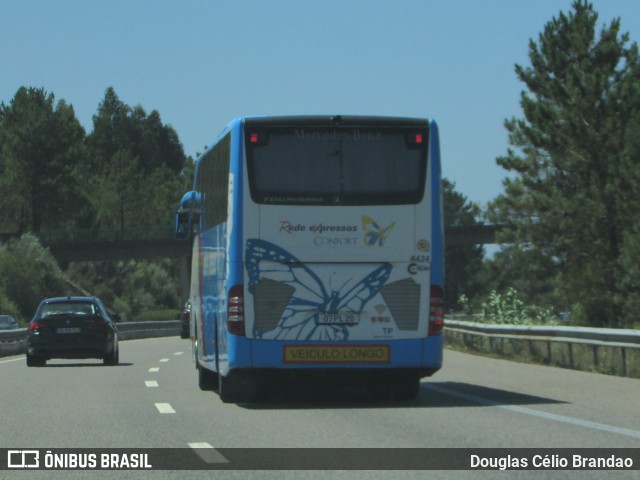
<point x="235" y="311"/>
<point x="436" y="316"/>
<point x="35" y="327"/>
<point x="97" y="325"/>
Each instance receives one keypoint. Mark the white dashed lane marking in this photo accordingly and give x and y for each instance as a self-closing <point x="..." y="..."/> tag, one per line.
<point x="207" y="453"/>
<point x="165" y="408"/>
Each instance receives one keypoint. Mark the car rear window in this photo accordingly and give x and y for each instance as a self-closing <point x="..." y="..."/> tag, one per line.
<point x="68" y="308"/>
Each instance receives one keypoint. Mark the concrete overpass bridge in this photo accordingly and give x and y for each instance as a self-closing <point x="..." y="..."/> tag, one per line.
<point x="90" y="245"/>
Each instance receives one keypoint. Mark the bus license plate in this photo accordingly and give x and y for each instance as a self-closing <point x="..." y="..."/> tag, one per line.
<point x="338" y="318"/>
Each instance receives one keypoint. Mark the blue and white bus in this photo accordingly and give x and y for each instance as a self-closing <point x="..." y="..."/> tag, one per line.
<point x="317" y="250"/>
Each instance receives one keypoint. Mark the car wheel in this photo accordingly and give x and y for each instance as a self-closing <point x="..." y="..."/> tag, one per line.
<point x="35" y="361"/>
<point x="112" y="358"/>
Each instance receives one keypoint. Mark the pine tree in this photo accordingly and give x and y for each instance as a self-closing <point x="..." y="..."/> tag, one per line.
<point x="463" y="262"/>
<point x="41" y="146"/>
<point x="574" y="195"/>
<point x="136" y="167"/>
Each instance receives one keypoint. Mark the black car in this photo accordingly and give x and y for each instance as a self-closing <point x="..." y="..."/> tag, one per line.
<point x="72" y="327"/>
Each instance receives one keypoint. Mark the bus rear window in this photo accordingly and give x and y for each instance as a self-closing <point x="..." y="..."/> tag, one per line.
<point x="337" y="165"/>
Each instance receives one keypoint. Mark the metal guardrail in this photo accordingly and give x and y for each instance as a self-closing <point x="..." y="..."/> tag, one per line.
<point x="135" y="330"/>
<point x="600" y="336"/>
<point x="592" y="338"/>
<point x="10" y="336"/>
<point x="14" y="342"/>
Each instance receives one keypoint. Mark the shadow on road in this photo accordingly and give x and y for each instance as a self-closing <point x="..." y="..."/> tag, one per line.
<point x="432" y="395"/>
<point x="84" y="364"/>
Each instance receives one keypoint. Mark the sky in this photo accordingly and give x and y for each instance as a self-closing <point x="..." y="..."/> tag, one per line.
<point x="201" y="63"/>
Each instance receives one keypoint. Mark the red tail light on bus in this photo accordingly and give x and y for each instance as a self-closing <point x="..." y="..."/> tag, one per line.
<point x="436" y="316"/>
<point x="235" y="311"/>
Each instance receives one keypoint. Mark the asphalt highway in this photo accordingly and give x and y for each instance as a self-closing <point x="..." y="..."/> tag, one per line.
<point x="151" y="400"/>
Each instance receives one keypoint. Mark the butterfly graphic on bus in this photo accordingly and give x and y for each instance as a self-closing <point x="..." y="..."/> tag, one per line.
<point x="310" y="297"/>
<point x="373" y="233"/>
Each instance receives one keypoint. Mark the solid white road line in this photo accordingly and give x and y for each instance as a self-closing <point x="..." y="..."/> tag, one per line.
<point x="536" y="413"/>
<point x="13" y="360"/>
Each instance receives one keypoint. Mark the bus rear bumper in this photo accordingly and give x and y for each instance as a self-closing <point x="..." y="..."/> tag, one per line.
<point x="384" y="370"/>
<point x="422" y="357"/>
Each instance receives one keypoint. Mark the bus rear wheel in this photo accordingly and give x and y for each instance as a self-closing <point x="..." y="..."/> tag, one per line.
<point x="237" y="387"/>
<point x="405" y="389"/>
<point x="207" y="380"/>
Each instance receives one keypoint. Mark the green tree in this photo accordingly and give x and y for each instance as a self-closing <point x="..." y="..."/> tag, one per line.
<point x="573" y="196"/>
<point x="137" y="175"/>
<point x="29" y="273"/>
<point x="118" y="194"/>
<point x="528" y="271"/>
<point x="131" y="287"/>
<point x="119" y="127"/>
<point x="41" y="146"/>
<point x="127" y="176"/>
<point x="136" y="167"/>
<point x="7" y="305"/>
<point x="462" y="262"/>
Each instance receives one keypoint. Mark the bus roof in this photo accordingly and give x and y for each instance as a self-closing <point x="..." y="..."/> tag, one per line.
<point x="321" y="120"/>
<point x="349" y="120"/>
